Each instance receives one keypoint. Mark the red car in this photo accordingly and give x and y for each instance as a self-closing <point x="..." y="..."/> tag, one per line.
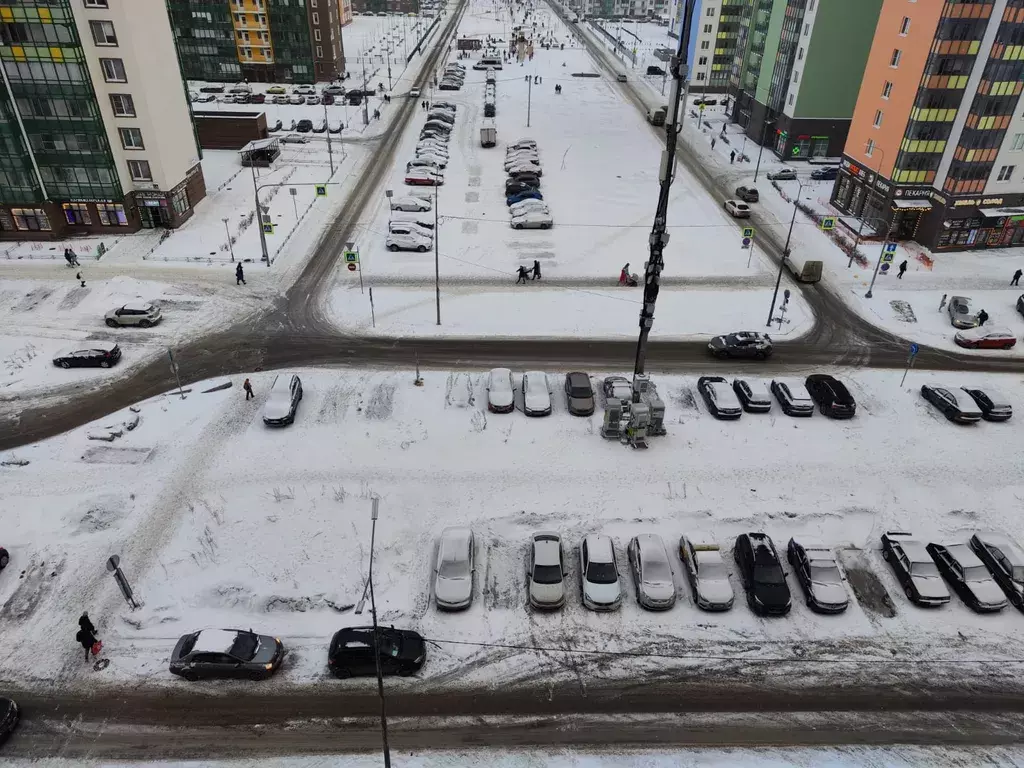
<point x="985" y="337"/>
<point x="258" y="98"/>
<point x="424" y="178"/>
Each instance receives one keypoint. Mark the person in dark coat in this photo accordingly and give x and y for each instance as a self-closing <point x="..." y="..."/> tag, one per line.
<point x="982" y="318"/>
<point x="1016" y="277"/>
<point x="536" y="270"/>
<point x="903" y="268"/>
<point x="247" y="386"/>
<point x="239" y="275"/>
<point x="80" y="279"/>
<point x="522" y="275"/>
<point x="86" y="638"/>
<point x="85" y="623"/>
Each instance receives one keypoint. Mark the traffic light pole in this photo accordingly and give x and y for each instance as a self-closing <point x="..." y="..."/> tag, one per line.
<point x="659" y="235"/>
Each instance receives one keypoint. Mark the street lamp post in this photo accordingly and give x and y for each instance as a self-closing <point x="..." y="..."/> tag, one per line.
<point x="376" y="641"/>
<point x="785" y="253"/>
<point x="437" y="261"/>
<point x="330" y="151"/>
<point x="227" y="232"/>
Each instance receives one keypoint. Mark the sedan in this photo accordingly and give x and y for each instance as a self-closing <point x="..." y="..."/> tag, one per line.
<point x="833" y="398"/>
<point x="283" y="400"/>
<point x="579" y="393"/>
<point x="968" y="576"/>
<point x="500" y="391"/>
<point x="737" y="209"/>
<point x="617" y="388"/>
<point x="825" y="174"/>
<point x="961" y="312"/>
<point x="427" y="162"/>
<point x="522" y="144"/>
<point x="296" y="99"/>
<point x="136" y="313"/>
<point x="536" y="394"/>
<point x="410" y="227"/>
<point x="313" y="100"/>
<point x="914" y="569"/>
<point x="532" y="220"/>
<point x="546" y="576"/>
<point x="90" y="354"/>
<point x="785" y="174"/>
<point x="9" y="717"/>
<point x="226" y="654"/>
<point x="410" y="204"/>
<point x="530" y="194"/>
<point x="793" y="397"/>
<point x="753" y="395"/>
<point x="599" y="575"/>
<point x="706" y="572"/>
<point x="528" y="205"/>
<point x="742" y="344"/>
<point x="652" y="572"/>
<point x="409" y="241"/>
<point x="449" y="85"/>
<point x="1006" y="562"/>
<point x="206" y="98"/>
<point x="280" y="99"/>
<point x="761" y="571"/>
<point x="719" y="397"/>
<point x="748" y="194"/>
<point x="818" y="573"/>
<point x="294" y="138"/>
<point x="442" y="116"/>
<point x="524" y="167"/>
<point x="399" y="651"/>
<point x="526" y="177"/>
<point x="424" y="178"/>
<point x="453" y="574"/>
<point x="514" y="187"/>
<point x="994" y="406"/>
<point x="955" y="404"/>
<point x="985" y="337"/>
<point x="275" y="89"/>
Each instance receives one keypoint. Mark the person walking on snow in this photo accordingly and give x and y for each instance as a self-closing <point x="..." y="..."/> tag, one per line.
<point x="982" y="318"/>
<point x="247" y="386"/>
<point x="732" y="156"/>
<point x="624" y="275"/>
<point x="86" y="624"/>
<point x="713" y="140"/>
<point x="522" y="275"/>
<point x="903" y="268"/>
<point x="536" y="270"/>
<point x="86" y="638"/>
<point x="80" y="279"/>
<point x="239" y="275"/>
<point x="1016" y="277"/>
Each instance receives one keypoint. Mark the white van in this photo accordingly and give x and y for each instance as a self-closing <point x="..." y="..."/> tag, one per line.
<point x="488" y="61"/>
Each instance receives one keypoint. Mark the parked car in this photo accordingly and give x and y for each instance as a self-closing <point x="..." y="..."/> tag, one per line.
<point x="518" y="209"/>
<point x="833" y="398"/>
<point x="742" y="344"/>
<point x="304" y="89"/>
<point x="426" y="162"/>
<point x="599" y="574"/>
<point x="521" y="144"/>
<point x="825" y="174"/>
<point x="275" y="89"/>
<point x="410" y="204"/>
<point x="258" y="98"/>
<point x="277" y="126"/>
<point x="212" y="89"/>
<point x="410" y="241"/>
<point x="295" y="99"/>
<point x="737" y="209"/>
<point x="961" y="312"/>
<point x="444" y="105"/>
<point x="500" y="391"/>
<point x="914" y="569"/>
<point x="967" y="575"/>
<point x="294" y="138"/>
<point x="335" y="126"/>
<point x="719" y="397"/>
<point x="706" y="572"/>
<point x="204" y="98"/>
<point x="994" y="406"/>
<point x="442" y="115"/>
<point x="423" y="223"/>
<point x="424" y="178"/>
<point x="784" y="174"/>
<point x="88" y="354"/>
<point x="320" y="126"/>
<point x="547" y="572"/>
<point x="753" y="395"/>
<point x="513" y="187"/>
<point x="351" y="654"/>
<point x="762" y="575"/>
<point x="652" y="572"/>
<point x="525" y="177"/>
<point x="529" y="194"/>
<point x="449" y="85"/>
<point x="617" y="388"/>
<point x="280" y="99"/>
<point x="282" y="400"/>
<point x="524" y="167"/>
<point x="532" y="220"/>
<point x="793" y="397"/>
<point x="748" y="194"/>
<point x="579" y="393"/>
<point x="536" y="394"/>
<point x="437" y="125"/>
<point x="818" y="575"/>
<point x="453" y="574"/>
<point x="955" y="404"/>
<point x="1020" y="305"/>
<point x="313" y="100"/>
<point x="1004" y="560"/>
<point x="986" y="337"/>
<point x="10" y="715"/>
<point x="226" y="654"/>
<point x="138" y="313"/>
<point x="654" y="70"/>
<point x="5" y="558"/>
<point x="520" y="158"/>
<point x="400" y="227"/>
<point x="334" y="89"/>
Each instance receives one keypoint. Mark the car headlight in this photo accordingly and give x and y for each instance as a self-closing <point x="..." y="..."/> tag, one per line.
<point x="268" y="667"/>
<point x="418" y="659"/>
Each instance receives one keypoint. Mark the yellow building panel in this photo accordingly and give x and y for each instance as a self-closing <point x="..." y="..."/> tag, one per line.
<point x="974" y="47"/>
<point x="56" y="54"/>
<point x="6" y="14"/>
<point x="18" y="52"/>
<point x="958" y="82"/>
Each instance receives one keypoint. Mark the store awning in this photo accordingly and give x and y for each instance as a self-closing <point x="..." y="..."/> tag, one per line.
<point x="995" y="213"/>
<point x="912" y="205"/>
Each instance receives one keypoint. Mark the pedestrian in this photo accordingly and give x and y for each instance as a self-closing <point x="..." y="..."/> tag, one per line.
<point x="903" y="268"/>
<point x="536" y="270"/>
<point x="624" y="274"/>
<point x="982" y="318"/>
<point x="942" y="303"/>
<point x="68" y="258"/>
<point x="74" y="257"/>
<point x="713" y="142"/>
<point x="239" y="275"/>
<point x="80" y="279"/>
<point x="85" y="623"/>
<point x="87" y="639"/>
<point x="247" y="386"/>
<point x="732" y="156"/>
<point x="1016" y="277"/>
<point x="522" y="275"/>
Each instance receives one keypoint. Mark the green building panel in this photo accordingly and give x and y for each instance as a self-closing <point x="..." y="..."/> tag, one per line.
<point x="773" y="32"/>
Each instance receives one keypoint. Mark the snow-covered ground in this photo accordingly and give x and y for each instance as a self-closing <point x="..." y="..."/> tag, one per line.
<point x="220" y="521"/>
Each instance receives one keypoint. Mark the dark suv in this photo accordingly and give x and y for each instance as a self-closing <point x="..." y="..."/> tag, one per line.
<point x="304" y="126"/>
<point x="831" y="396"/>
<point x="761" y="571"/>
<point x="351" y="652"/>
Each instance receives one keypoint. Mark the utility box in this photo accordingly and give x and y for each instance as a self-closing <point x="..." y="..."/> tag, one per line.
<point x="488" y="134"/>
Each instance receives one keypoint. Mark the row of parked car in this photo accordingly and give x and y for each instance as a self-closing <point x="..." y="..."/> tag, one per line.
<point x="536" y="390"/>
<point x="523" y="197"/>
<point x="242" y="93"/>
<point x="490" y="93"/>
<point x="453" y="77"/>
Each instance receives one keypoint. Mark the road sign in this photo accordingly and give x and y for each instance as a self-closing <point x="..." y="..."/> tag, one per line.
<point x="321" y="190"/>
<point x="914" y="349"/>
<point x="884" y="268"/>
<point x="293" y="191"/>
<point x="890" y="247"/>
<point x="746" y="242"/>
<point x="827" y="223"/>
<point x="352" y="257"/>
<point x="748" y="232"/>
<point x="351" y="266"/>
<point x="268" y="228"/>
<point x="886" y="260"/>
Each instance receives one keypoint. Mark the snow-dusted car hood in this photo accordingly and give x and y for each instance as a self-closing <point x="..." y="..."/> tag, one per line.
<point x="537" y="401"/>
<point x="831" y="594"/>
<point x="602" y="594"/>
<point x="930" y="587"/>
<point x="658" y="591"/>
<point x="453" y="591"/>
<point x="715" y="590"/>
<point x="277" y="407"/>
<point x="500" y="399"/>
<point x="547" y="594"/>
<point x="987" y="592"/>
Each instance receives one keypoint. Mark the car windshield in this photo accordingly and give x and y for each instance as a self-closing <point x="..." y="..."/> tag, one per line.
<point x="656" y="571"/>
<point x="575" y="391"/>
<point x="924" y="569"/>
<point x="825" y="574"/>
<point x="245" y="646"/>
<point x="713" y="571"/>
<point x="976" y="573"/>
<point x="453" y="568"/>
<point x="768" y="574"/>
<point x="547" y="574"/>
<point x="601" y="573"/>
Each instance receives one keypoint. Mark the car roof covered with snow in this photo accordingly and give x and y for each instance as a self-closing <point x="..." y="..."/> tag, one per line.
<point x="914" y="550"/>
<point x="1004" y="544"/>
<point x="963" y="555"/>
<point x="215" y="640"/>
<point x="547" y="548"/>
<point x="138" y="306"/>
<point x="599" y="548"/>
<point x="986" y="332"/>
<point x="456" y="541"/>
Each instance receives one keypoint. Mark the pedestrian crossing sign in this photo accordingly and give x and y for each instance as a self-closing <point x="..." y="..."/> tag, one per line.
<point x="351" y="257"/>
<point x="268" y="228"/>
<point x="829" y="222"/>
<point x="748" y="232"/>
<point x="321" y="190"/>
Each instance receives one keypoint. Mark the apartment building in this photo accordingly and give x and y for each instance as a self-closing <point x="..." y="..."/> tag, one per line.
<point x="386" y="6"/>
<point x="713" y="36"/>
<point x="95" y="131"/>
<point x="797" y="70"/>
<point x="269" y="41"/>
<point x="626" y="9"/>
<point x="344" y="12"/>
<point x="936" y="146"/>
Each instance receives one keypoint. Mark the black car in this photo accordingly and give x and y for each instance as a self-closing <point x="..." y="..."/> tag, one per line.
<point x="753" y="396"/>
<point x="748" y="194"/>
<point x="1020" y="304"/>
<point x="825" y="174"/>
<point x="915" y="569"/>
<point x="529" y="177"/>
<point x="91" y="354"/>
<point x="993" y="405"/>
<point x="304" y="126"/>
<point x="956" y="405"/>
<point x="653" y="70"/>
<point x="579" y="393"/>
<point x="448" y="85"/>
<point x="818" y="575"/>
<point x="513" y="187"/>
<point x="212" y="89"/>
<point x="227" y="654"/>
<point x="9" y="716"/>
<point x="489" y="110"/>
<point x="719" y="397"/>
<point x="761" y="571"/>
<point x="1005" y="561"/>
<point x="327" y="99"/>
<point x="964" y="571"/>
<point x="742" y="344"/>
<point x="5" y="558"/>
<point x="831" y="396"/>
<point x="401" y="652"/>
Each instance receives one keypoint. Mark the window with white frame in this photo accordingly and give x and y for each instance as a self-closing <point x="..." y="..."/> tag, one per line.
<point x="894" y="60"/>
<point x="886" y="89"/>
<point x="139" y="170"/>
<point x="95" y="3"/>
<point x="316" y="18"/>
<point x="904" y="26"/>
<point x="1005" y="173"/>
<point x="316" y="35"/>
<point x="869" y="148"/>
<point x="319" y="52"/>
<point x="877" y="122"/>
<point x="131" y="138"/>
<point x="103" y="32"/>
<point x="1018" y="142"/>
<point x="707" y="29"/>
<point x="123" y="104"/>
<point x="113" y="70"/>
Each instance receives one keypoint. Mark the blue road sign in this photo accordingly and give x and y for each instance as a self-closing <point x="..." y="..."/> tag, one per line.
<point x="746" y="242"/>
<point x="914" y="349"/>
<point x="890" y="247"/>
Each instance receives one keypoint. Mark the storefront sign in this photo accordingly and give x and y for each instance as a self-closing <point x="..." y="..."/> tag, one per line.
<point x="149" y="195"/>
<point x="978" y="201"/>
<point x="883" y="186"/>
<point x="920" y="192"/>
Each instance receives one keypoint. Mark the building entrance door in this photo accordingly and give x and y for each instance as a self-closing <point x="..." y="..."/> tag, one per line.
<point x="153" y="216"/>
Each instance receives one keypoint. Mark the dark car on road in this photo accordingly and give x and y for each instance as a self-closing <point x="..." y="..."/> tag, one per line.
<point x="748" y="194"/>
<point x="401" y="652"/>
<point x="741" y="344"/>
<point x="227" y="654"/>
<point x="825" y="174"/>
<point x="831" y="396"/>
<point x="1004" y="560"/>
<point x="653" y="70"/>
<point x="579" y="393"/>
<point x="91" y="354"/>
<point x="914" y="569"/>
<point x="963" y="570"/>
<point x="719" y="397"/>
<point x="994" y="406"/>
<point x="9" y="717"/>
<point x="955" y="404"/>
<point x="762" y="575"/>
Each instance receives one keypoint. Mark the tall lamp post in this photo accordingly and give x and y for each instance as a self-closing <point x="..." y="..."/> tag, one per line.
<point x="437" y="260"/>
<point x="785" y="253"/>
<point x="376" y="641"/>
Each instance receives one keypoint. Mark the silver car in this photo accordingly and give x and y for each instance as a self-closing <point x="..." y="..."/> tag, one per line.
<point x="453" y="573"/>
<point x="134" y="313"/>
<point x="547" y="571"/>
<point x="652" y="572"/>
<point x="819" y="576"/>
<point x="283" y="400"/>
<point x="707" y="573"/>
<point x="961" y="312"/>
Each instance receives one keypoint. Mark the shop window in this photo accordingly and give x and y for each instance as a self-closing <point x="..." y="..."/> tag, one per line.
<point x="77" y="213"/>
<point x="31" y="219"/>
<point x="111" y="214"/>
<point x="180" y="202"/>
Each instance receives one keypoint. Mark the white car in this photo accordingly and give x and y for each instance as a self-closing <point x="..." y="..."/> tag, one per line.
<point x="414" y="217"/>
<point x="524" y="167"/>
<point x="536" y="394"/>
<point x="432" y="146"/>
<point x="533" y="219"/>
<point x="429" y="163"/>
<point x="530" y="204"/>
<point x="737" y="209"/>
<point x="522" y="144"/>
<point x="793" y="397"/>
<point x="500" y="391"/>
<point x="283" y="400"/>
<point x="305" y="90"/>
<point x="599" y="575"/>
<point x="408" y="242"/>
<point x="426" y="158"/>
<point x="547" y="571"/>
<point x="294" y="138"/>
<point x="519" y="160"/>
<point x="453" y="573"/>
<point x="706" y="572"/>
<point x="410" y="227"/>
<point x="410" y="204"/>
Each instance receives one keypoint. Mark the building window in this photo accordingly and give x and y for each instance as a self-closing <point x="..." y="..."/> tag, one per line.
<point x="810" y="5"/>
<point x="700" y="75"/>
<point x="95" y="3"/>
<point x="131" y="138"/>
<point x="869" y="148"/>
<point x="1005" y="173"/>
<point x="1018" y="142"/>
<point x="878" y="119"/>
<point x="312" y="3"/>
<point x="796" y="76"/>
<point x="179" y="200"/>
<point x="904" y="26"/>
<point x="800" y="55"/>
<point x="113" y="70"/>
<point x="316" y="19"/>
<point x="711" y="12"/>
<point x="791" y="99"/>
<point x="111" y="214"/>
<point x="702" y="61"/>
<point x="77" y="213"/>
<point x="31" y="219"/>
<point x="319" y="52"/>
<point x="886" y="89"/>
<point x="316" y="35"/>
<point x="123" y="104"/>
<point x="139" y="170"/>
<point x="704" y="45"/>
<point x="102" y="32"/>
<point x="707" y="29"/>
<point x="897" y="54"/>
<point x="807" y="29"/>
